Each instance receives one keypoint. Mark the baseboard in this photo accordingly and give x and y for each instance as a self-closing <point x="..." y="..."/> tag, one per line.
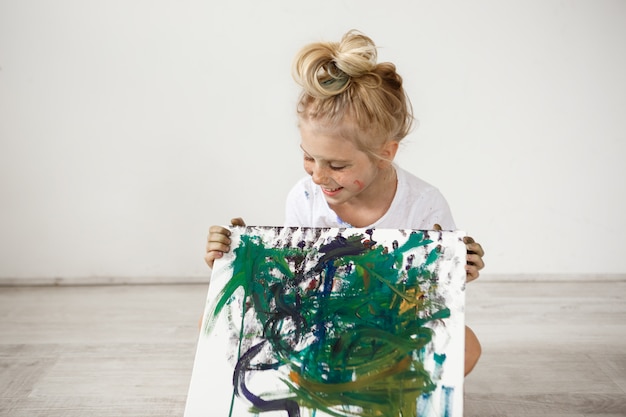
<point x="488" y="277"/>
<point x="485" y="277"/>
<point x="78" y="281"/>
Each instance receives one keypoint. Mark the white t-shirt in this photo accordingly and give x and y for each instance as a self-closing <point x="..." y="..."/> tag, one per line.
<point x="416" y="205"/>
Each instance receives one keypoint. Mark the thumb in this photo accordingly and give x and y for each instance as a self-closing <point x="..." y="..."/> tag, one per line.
<point x="468" y="239"/>
<point x="237" y="221"/>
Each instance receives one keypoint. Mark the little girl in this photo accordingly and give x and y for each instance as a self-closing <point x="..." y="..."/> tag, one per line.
<point x="353" y="113"/>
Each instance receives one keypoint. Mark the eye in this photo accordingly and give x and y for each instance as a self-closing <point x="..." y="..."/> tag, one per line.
<point x="337" y="168"/>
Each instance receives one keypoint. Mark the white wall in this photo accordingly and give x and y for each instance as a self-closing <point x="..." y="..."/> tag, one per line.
<point x="128" y="127"/>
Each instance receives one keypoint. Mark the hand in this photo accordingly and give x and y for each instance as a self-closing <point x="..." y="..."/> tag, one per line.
<point x="218" y="241"/>
<point x="474" y="257"/>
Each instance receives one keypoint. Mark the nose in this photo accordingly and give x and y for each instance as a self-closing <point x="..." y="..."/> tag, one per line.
<point x="318" y="174"/>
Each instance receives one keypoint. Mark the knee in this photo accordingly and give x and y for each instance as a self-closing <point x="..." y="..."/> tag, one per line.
<point x="472" y="350"/>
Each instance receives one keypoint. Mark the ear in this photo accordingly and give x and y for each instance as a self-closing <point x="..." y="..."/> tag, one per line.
<point x="388" y="151"/>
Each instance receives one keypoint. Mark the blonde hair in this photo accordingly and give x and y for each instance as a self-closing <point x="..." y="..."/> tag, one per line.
<point x="342" y="81"/>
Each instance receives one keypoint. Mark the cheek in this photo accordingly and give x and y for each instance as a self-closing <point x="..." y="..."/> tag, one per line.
<point x="359" y="184"/>
<point x="308" y="168"/>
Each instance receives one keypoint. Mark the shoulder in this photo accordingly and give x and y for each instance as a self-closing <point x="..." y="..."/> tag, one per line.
<point x="416" y="187"/>
<point x="419" y="204"/>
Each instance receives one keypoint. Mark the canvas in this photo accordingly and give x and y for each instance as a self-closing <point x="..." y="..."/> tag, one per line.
<point x="333" y="322"/>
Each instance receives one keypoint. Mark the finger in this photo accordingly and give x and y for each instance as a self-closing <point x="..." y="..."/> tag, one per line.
<point x="237" y="221"/>
<point x="218" y="230"/>
<point x="211" y="256"/>
<point x="215" y="249"/>
<point x="468" y="240"/>
<point x="437" y="227"/>
<point x="475" y="261"/>
<point x="475" y="248"/>
<point x="218" y="240"/>
<point x="471" y="273"/>
<point x="473" y="245"/>
<point x="218" y="245"/>
<point x="219" y="237"/>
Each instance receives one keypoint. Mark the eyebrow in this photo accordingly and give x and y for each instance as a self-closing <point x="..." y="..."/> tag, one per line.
<point x="339" y="161"/>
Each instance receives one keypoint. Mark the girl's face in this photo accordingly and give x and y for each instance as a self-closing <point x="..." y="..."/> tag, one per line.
<point x="345" y="173"/>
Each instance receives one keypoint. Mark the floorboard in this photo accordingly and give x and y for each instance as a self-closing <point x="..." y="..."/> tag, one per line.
<point x="549" y="349"/>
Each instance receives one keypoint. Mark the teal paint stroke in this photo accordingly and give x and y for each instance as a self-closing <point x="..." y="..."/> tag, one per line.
<point x="349" y="322"/>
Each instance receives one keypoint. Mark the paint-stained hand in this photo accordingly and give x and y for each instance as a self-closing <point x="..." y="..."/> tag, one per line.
<point x="474" y="258"/>
<point x="475" y="261"/>
<point x="218" y="241"/>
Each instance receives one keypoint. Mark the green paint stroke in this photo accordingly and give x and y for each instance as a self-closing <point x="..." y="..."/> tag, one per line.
<point x="355" y="350"/>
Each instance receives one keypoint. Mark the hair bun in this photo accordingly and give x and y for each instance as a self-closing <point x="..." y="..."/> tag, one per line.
<point x="356" y="55"/>
<point x="326" y="69"/>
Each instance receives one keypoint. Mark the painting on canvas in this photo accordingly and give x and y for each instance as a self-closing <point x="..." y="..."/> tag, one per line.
<point x="333" y="322"/>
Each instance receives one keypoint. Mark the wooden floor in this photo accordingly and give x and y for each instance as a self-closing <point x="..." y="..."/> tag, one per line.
<point x="549" y="349"/>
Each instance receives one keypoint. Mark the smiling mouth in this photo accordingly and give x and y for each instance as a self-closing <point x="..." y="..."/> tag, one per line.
<point x="331" y="191"/>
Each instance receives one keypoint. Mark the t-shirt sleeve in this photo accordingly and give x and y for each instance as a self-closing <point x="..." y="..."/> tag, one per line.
<point x="439" y="213"/>
<point x="420" y="205"/>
